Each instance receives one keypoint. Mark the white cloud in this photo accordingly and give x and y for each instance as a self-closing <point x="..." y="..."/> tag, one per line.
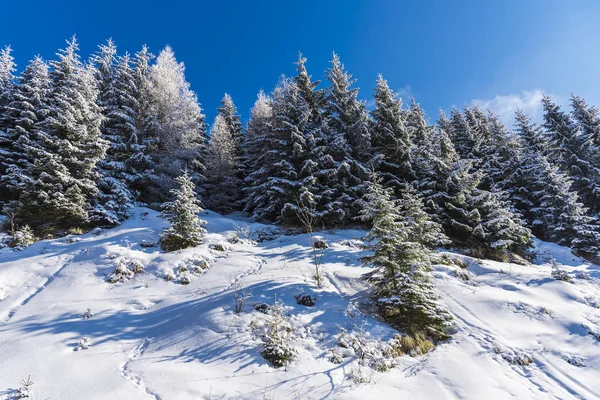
<point x="405" y="93"/>
<point x="529" y="102"/>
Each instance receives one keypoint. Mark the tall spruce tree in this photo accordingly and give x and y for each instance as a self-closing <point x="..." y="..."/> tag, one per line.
<point x="114" y="78"/>
<point x="390" y="138"/>
<point x="27" y="109"/>
<point x="403" y="287"/>
<point x="348" y="137"/>
<point x="175" y="132"/>
<point x="545" y="197"/>
<point x="570" y="149"/>
<point x="223" y="184"/>
<point x="285" y="174"/>
<point x="68" y="147"/>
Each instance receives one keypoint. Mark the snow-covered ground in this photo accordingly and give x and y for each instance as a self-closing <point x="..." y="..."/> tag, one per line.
<point x="157" y="339"/>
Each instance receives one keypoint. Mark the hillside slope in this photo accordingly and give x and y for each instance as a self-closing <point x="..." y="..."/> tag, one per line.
<point x="157" y="339"/>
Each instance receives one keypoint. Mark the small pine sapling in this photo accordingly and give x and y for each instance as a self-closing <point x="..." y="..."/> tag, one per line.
<point x="186" y="228"/>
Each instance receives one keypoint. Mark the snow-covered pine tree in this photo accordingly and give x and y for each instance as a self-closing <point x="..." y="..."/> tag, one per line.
<point x="185" y="228"/>
<point x="223" y="184"/>
<point x="256" y="142"/>
<point x="27" y="108"/>
<point x="480" y="219"/>
<point x="229" y="114"/>
<point x="390" y="138"/>
<point x="427" y="163"/>
<point x="348" y="137"/>
<point x="546" y="198"/>
<point x="320" y="163"/>
<point x="587" y="118"/>
<point x="285" y="172"/>
<point x="175" y="135"/>
<point x="570" y="149"/>
<point x="7" y="69"/>
<point x="7" y="87"/>
<point x="68" y="147"/>
<point x="403" y="287"/>
<point x="114" y="77"/>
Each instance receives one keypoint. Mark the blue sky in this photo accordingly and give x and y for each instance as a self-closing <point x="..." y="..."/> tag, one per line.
<point x="497" y="53"/>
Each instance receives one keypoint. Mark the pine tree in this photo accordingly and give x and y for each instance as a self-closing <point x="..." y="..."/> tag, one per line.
<point x="229" y="113"/>
<point x="256" y="142"/>
<point x="282" y="175"/>
<point x="479" y="219"/>
<point x="319" y="167"/>
<point x="175" y="132"/>
<point x="27" y="108"/>
<point x="7" y="68"/>
<point x="68" y="147"/>
<point x="114" y="78"/>
<point x="348" y="138"/>
<point x="546" y="198"/>
<point x="569" y="148"/>
<point x="403" y="287"/>
<point x="587" y="119"/>
<point x="185" y="228"/>
<point x="390" y="138"/>
<point x="222" y="166"/>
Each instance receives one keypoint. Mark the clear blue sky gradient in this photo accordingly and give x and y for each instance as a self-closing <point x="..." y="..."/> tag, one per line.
<point x="447" y="52"/>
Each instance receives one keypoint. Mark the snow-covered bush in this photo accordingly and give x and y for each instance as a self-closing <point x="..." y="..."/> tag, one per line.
<point x="84" y="343"/>
<point x="24" y="391"/>
<point x="265" y="234"/>
<point x="168" y="277"/>
<point x="148" y="244"/>
<point x="574" y="360"/>
<point x="22" y="238"/>
<point x="185" y="279"/>
<point x="515" y="357"/>
<point x="560" y="274"/>
<point x="242" y="230"/>
<point x="125" y="268"/>
<point x="87" y="314"/>
<point x="275" y="332"/>
<point x="305" y="299"/>
<point x="370" y="352"/>
<point x="359" y="375"/>
<point x="219" y="247"/>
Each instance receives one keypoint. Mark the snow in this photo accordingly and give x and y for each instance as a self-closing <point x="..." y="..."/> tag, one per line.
<point x="519" y="333"/>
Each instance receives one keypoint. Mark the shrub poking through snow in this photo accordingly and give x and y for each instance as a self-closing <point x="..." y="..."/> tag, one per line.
<point x="560" y="274"/>
<point x="169" y="277"/>
<point x="305" y="300"/>
<point x="412" y="345"/>
<point x="84" y="343"/>
<point x="574" y="360"/>
<point x="372" y="353"/>
<point x="24" y="392"/>
<point x="87" y="314"/>
<point x="399" y="238"/>
<point x="147" y="244"/>
<point x="125" y="268"/>
<point x="22" y="238"/>
<point x="218" y="247"/>
<point x="242" y="230"/>
<point x="514" y="356"/>
<point x="186" y="228"/>
<point x="263" y="308"/>
<point x="185" y="279"/>
<point x="275" y="333"/>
